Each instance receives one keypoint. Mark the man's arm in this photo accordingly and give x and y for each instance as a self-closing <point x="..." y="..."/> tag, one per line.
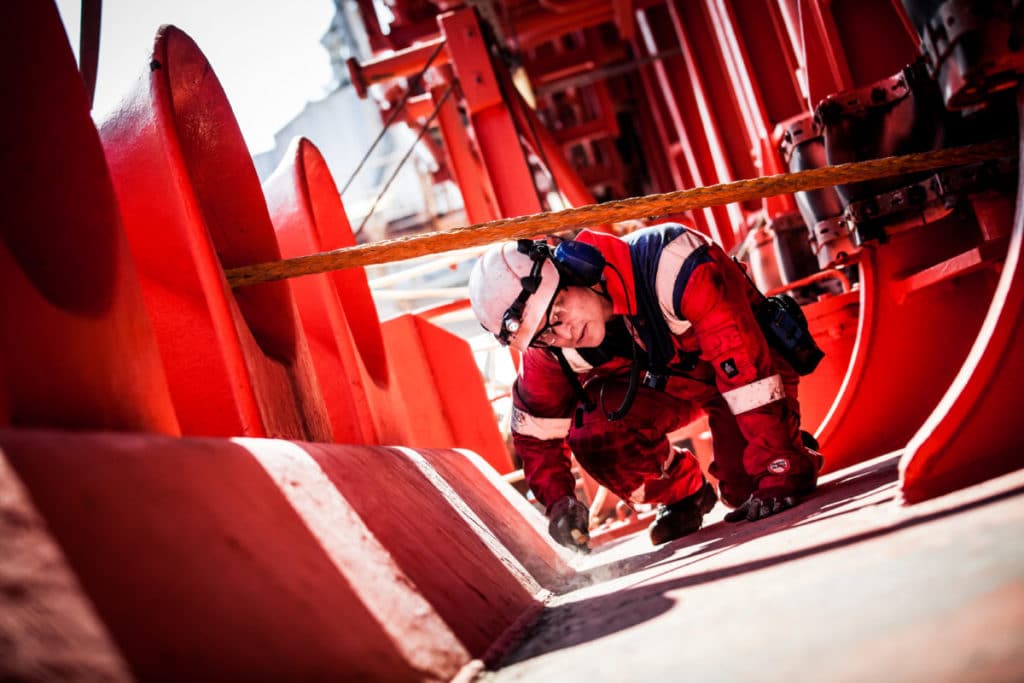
<point x="542" y="405"/>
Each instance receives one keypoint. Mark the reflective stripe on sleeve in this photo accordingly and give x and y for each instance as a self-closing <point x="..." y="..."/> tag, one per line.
<point x="670" y="263"/>
<point x="754" y="395"/>
<point x="543" y="428"/>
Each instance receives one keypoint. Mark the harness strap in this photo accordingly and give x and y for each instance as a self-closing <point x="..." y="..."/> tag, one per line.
<point x="585" y="403"/>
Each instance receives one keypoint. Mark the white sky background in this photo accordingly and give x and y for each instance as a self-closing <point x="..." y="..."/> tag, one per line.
<point x="266" y="53"/>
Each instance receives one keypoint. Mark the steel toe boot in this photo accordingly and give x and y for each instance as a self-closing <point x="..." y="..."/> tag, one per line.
<point x="685" y="516"/>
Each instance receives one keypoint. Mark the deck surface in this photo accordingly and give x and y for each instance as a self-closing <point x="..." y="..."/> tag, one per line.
<point x="848" y="586"/>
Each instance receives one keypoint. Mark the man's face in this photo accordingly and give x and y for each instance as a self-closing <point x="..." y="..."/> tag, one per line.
<point x="575" y="319"/>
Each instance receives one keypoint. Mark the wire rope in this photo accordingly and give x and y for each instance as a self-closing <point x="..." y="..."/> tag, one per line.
<point x="411" y="86"/>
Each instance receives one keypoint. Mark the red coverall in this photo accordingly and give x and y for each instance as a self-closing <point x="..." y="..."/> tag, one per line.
<point x="755" y="449"/>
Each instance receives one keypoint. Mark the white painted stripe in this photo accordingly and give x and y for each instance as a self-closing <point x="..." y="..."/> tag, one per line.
<point x="494" y="545"/>
<point x="754" y="395"/>
<point x="419" y="634"/>
<point x="543" y="428"/>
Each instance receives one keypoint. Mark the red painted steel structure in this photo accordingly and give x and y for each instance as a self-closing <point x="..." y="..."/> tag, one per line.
<point x="192" y="205"/>
<point x="464" y="165"/>
<point x="336" y="310"/>
<point x="968" y="438"/>
<point x="405" y="381"/>
<point x="496" y="133"/>
<point x="116" y="316"/>
<point x="77" y="349"/>
<point x="250" y="558"/>
<point x="753" y="69"/>
<point x="438" y="389"/>
<point x="220" y="542"/>
<point x="898" y="371"/>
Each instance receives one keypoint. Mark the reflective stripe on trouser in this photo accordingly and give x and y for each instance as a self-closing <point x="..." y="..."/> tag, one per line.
<point x="717" y="300"/>
<point x="758" y="393"/>
<point x="632" y="457"/>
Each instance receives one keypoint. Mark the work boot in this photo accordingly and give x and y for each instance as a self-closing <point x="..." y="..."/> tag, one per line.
<point x="683" y="517"/>
<point x="765" y="503"/>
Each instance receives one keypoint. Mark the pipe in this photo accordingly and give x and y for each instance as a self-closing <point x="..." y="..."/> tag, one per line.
<point x="402" y="63"/>
<point x="827" y="274"/>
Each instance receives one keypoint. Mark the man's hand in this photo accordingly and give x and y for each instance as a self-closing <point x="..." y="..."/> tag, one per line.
<point x="570" y="523"/>
<point x="761" y="505"/>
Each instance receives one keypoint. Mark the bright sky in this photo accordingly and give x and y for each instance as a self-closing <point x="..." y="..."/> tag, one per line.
<point x="266" y="53"/>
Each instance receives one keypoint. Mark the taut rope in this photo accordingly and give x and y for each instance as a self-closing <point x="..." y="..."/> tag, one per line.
<point x="650" y="206"/>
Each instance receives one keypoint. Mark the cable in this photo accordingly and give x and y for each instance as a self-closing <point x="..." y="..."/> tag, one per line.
<point x="394" y="174"/>
<point x="89" y="45"/>
<point x="625" y="289"/>
<point x="412" y="85"/>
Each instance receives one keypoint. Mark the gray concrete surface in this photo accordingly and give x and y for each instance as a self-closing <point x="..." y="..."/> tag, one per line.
<point x="849" y="586"/>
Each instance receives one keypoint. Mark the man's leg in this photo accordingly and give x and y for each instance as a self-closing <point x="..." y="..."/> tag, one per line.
<point x="717" y="301"/>
<point x="632" y="457"/>
<point x="728" y="443"/>
<point x="734" y="483"/>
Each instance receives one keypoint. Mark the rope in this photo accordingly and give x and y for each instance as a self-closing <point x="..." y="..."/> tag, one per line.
<point x="410" y="86"/>
<point x="650" y="206"/>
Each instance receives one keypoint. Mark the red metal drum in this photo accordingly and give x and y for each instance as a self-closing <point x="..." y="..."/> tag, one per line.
<point x="404" y="382"/>
<point x="971" y="435"/>
<point x="236" y="361"/>
<point x="792" y="246"/>
<point x="336" y="309"/>
<point x="77" y="348"/>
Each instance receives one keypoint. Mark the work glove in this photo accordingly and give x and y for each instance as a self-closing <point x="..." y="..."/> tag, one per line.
<point x="761" y="504"/>
<point x="569" y="523"/>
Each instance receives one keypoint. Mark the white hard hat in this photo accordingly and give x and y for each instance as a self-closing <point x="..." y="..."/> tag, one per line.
<point x="497" y="283"/>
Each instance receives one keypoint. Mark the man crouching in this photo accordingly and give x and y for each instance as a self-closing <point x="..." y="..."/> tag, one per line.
<point x="625" y="340"/>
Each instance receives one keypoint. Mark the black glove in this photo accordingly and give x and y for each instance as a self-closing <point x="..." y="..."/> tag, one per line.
<point x="570" y="521"/>
<point x="761" y="505"/>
